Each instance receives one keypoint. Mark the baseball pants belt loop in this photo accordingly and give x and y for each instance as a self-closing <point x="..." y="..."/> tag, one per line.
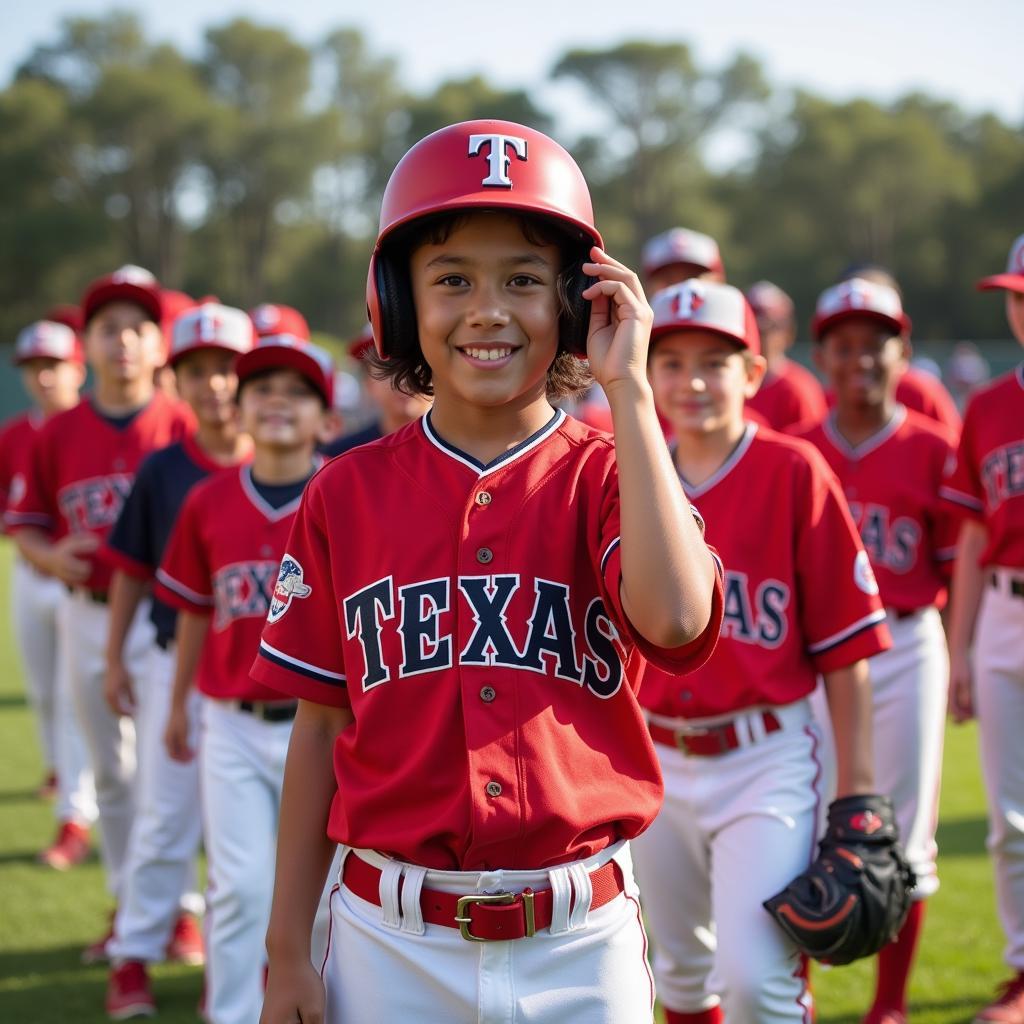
<point x="484" y="916"/>
<point x="712" y="740"/>
<point x="1014" y="584"/>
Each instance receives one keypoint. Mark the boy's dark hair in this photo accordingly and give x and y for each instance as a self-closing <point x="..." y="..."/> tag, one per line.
<point x="568" y="376"/>
<point x="267" y="371"/>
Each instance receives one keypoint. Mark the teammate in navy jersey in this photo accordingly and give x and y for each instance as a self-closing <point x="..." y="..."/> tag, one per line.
<point x="156" y="913"/>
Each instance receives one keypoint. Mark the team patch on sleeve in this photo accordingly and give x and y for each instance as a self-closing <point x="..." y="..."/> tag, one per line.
<point x="289" y="585"/>
<point x="863" y="575"/>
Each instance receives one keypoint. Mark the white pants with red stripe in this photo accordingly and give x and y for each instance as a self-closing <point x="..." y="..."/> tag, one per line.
<point x="909" y="693"/>
<point x="35" y="607"/>
<point x="160" y="876"/>
<point x="735" y="829"/>
<point x="385" y="964"/>
<point x="109" y="739"/>
<point x="999" y="682"/>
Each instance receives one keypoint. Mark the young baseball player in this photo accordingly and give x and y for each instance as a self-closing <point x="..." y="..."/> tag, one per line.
<point x="987" y="612"/>
<point x="219" y="570"/>
<point x="48" y="355"/>
<point x="394" y="408"/>
<point x="155" y="917"/>
<point x="83" y="464"/>
<point x="789" y="394"/>
<point x="738" y="746"/>
<point x="677" y="255"/>
<point x="464" y="610"/>
<point x="890" y="462"/>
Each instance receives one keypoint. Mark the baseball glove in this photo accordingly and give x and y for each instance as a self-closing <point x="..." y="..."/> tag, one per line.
<point x="855" y="897"/>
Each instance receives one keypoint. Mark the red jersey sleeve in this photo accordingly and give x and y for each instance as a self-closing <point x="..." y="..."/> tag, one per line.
<point x="184" y="580"/>
<point x="963" y="486"/>
<point x="841" y="614"/>
<point x="679" y="660"/>
<point x="301" y="649"/>
<point x="35" y="504"/>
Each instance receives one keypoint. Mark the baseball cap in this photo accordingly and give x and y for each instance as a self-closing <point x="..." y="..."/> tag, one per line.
<point x="857" y="297"/>
<point x="361" y="343"/>
<point x="681" y="245"/>
<point x="210" y="325"/>
<point x="696" y="305"/>
<point x="769" y="301"/>
<point x="66" y="314"/>
<point x="47" y="339"/>
<point x="272" y="319"/>
<point x="128" y="283"/>
<point x="286" y="351"/>
<point x="1013" y="279"/>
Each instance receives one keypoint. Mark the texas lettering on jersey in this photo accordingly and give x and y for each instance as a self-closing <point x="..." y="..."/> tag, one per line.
<point x="1002" y="474"/>
<point x="547" y="642"/>
<point x="94" y="503"/>
<point x="242" y="590"/>
<point x="755" y="615"/>
<point x="894" y="544"/>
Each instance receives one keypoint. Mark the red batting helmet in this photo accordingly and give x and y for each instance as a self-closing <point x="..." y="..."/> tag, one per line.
<point x="475" y="165"/>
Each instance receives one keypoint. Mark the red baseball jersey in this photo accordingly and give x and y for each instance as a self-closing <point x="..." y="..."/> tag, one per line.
<point x="924" y="393"/>
<point x="222" y="560"/>
<point x="470" y="617"/>
<point x="789" y="397"/>
<point x="892" y="483"/>
<point x="17" y="437"/>
<point x="800" y="597"/>
<point x="987" y="482"/>
<point x="82" y="468"/>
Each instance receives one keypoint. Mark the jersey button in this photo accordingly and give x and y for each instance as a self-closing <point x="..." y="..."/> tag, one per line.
<point x="493" y="789"/>
<point x="483" y="498"/>
<point x="484" y="555"/>
<point x="487" y="694"/>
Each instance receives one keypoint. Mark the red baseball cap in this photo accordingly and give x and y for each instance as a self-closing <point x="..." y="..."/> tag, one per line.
<point x="697" y="305"/>
<point x="286" y="351"/>
<point x="1013" y="279"/>
<point x="129" y="284"/>
<point x="271" y="319"/>
<point x="47" y="339"/>
<point x="770" y="301"/>
<point x="211" y="325"/>
<point x="681" y="245"/>
<point x="858" y="297"/>
<point x="361" y="343"/>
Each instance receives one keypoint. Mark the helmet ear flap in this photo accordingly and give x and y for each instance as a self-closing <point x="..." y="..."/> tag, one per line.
<point x="395" y="307"/>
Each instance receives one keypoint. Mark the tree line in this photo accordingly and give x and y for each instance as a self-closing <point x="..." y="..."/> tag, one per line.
<point x="254" y="169"/>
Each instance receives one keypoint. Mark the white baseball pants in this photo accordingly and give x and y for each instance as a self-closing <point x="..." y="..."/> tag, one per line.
<point x="734" y="830"/>
<point x="386" y="964"/>
<point x="160" y="876"/>
<point x="999" y="683"/>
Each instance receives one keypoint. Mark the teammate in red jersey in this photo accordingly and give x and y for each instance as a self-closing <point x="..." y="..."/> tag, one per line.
<point x="890" y="462"/>
<point x="156" y="918"/>
<point x="49" y="357"/>
<point x="789" y="395"/>
<point x="987" y="486"/>
<point x="219" y="570"/>
<point x="738" y="746"/>
<point x="464" y="611"/>
<point x="82" y="467"/>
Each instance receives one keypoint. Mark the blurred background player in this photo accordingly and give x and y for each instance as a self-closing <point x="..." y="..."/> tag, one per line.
<point x="220" y="570"/>
<point x="49" y="357"/>
<point x="155" y="918"/>
<point x="789" y="394"/>
<point x="677" y="255"/>
<point x="82" y="467"/>
<point x="736" y="739"/>
<point x="890" y="462"/>
<point x="391" y="407"/>
<point x="987" y="612"/>
<point x="172" y="303"/>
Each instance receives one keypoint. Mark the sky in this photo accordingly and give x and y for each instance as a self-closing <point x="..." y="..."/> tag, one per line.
<point x="966" y="52"/>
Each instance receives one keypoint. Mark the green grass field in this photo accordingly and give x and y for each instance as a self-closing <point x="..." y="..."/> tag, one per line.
<point x="46" y="917"/>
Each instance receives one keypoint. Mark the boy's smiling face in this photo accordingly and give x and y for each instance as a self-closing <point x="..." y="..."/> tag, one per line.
<point x="487" y="312"/>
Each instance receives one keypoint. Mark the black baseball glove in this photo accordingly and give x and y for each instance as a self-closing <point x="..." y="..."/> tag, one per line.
<point x="855" y="897"/>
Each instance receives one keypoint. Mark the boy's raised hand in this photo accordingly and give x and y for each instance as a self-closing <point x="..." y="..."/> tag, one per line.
<point x="620" y="322"/>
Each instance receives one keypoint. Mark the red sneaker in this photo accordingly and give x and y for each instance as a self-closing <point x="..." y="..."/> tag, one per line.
<point x="70" y="847"/>
<point x="128" y="992"/>
<point x="96" y="952"/>
<point x="48" y="787"/>
<point x="1009" y="1007"/>
<point x="186" y="945"/>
